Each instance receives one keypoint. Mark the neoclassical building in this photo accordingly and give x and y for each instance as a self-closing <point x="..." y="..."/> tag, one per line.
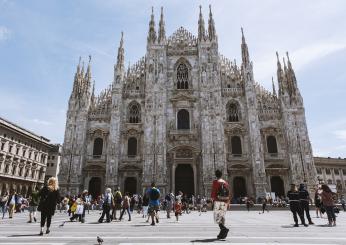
<point x="23" y="158"/>
<point x="179" y="113"/>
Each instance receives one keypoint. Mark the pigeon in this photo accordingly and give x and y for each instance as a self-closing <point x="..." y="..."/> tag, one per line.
<point x="62" y="224"/>
<point x="99" y="240"/>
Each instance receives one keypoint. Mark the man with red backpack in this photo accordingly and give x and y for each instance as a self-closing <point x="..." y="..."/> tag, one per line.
<point x="220" y="194"/>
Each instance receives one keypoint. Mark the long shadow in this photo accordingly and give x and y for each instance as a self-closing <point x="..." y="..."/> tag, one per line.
<point x="288" y="226"/>
<point x="140" y="225"/>
<point x="207" y="240"/>
<point x="323" y="225"/>
<point x="24" y="235"/>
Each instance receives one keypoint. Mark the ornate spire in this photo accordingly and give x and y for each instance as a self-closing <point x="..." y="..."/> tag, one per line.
<point x="78" y="66"/>
<point x="211" y="26"/>
<point x="162" y="32"/>
<point x="291" y="75"/>
<point x="128" y="69"/>
<point x="88" y="73"/>
<point x="82" y="72"/>
<point x="93" y="94"/>
<point x="120" y="57"/>
<point x="284" y="61"/>
<point x="77" y="76"/>
<point x="280" y="75"/>
<point x="201" y="27"/>
<point x="274" y="90"/>
<point x="244" y="49"/>
<point x="152" y="32"/>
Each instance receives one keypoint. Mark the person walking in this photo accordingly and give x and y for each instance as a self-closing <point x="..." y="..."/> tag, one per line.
<point x="169" y="205"/>
<point x="343" y="202"/>
<point x="220" y="195"/>
<point x="78" y="214"/>
<point x="86" y="202"/>
<point x="318" y="202"/>
<point x="126" y="206"/>
<point x="145" y="206"/>
<point x="11" y="203"/>
<point x="49" y="197"/>
<point x="118" y="198"/>
<point x="154" y="203"/>
<point x="177" y="209"/>
<point x="305" y="201"/>
<point x="3" y="204"/>
<point x="33" y="204"/>
<point x="264" y="205"/>
<point x="328" y="203"/>
<point x="106" y="207"/>
<point x="295" y="207"/>
<point x="248" y="204"/>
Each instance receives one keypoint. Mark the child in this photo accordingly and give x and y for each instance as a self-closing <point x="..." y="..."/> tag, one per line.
<point x="79" y="210"/>
<point x="177" y="208"/>
<point x="73" y="207"/>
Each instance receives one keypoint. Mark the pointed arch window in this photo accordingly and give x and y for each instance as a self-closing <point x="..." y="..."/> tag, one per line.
<point x="132" y="147"/>
<point x="98" y="147"/>
<point x="183" y="118"/>
<point x="182" y="77"/>
<point x="272" y="145"/>
<point x="233" y="113"/>
<point x="134" y="113"/>
<point x="236" y="146"/>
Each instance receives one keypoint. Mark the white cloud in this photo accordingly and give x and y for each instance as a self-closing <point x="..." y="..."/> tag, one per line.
<point x="265" y="67"/>
<point x="41" y="122"/>
<point x="5" y="33"/>
<point x="340" y="134"/>
<point x="315" y="51"/>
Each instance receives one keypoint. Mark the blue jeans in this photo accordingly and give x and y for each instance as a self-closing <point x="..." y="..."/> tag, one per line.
<point x="3" y="210"/>
<point x="330" y="213"/>
<point x="123" y="211"/>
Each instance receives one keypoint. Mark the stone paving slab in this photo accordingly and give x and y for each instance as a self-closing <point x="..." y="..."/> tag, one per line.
<point x="246" y="228"/>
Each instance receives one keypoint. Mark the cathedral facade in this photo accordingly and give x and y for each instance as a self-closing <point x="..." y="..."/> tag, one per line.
<point x="181" y="112"/>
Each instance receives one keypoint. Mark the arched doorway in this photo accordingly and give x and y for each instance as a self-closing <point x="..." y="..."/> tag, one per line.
<point x="95" y="186"/>
<point x="184" y="179"/>
<point x="277" y="185"/>
<point x="239" y="187"/>
<point x="130" y="185"/>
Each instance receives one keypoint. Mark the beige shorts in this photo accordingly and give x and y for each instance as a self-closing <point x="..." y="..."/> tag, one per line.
<point x="220" y="209"/>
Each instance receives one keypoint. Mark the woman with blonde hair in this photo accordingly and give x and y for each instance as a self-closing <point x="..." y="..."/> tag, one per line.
<point x="49" y="197"/>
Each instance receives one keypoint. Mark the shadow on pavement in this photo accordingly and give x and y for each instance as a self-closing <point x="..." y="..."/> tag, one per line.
<point x="24" y="235"/>
<point x="326" y="225"/>
<point x="288" y="226"/>
<point x="207" y="240"/>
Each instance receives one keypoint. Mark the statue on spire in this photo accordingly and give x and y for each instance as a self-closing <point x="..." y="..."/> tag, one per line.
<point x="120" y="57"/>
<point x="152" y="32"/>
<point x="201" y="27"/>
<point x="211" y="26"/>
<point x="274" y="90"/>
<point x="162" y="32"/>
<point x="244" y="49"/>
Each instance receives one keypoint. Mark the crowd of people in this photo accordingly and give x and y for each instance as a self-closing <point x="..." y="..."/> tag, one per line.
<point x="115" y="205"/>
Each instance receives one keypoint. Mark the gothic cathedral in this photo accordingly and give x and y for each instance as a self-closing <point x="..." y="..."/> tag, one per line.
<point x="179" y="113"/>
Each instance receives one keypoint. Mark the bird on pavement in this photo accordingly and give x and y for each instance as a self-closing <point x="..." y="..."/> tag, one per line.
<point x="63" y="223"/>
<point x="99" y="240"/>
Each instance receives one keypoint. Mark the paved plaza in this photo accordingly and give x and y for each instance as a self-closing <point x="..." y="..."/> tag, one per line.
<point x="246" y="228"/>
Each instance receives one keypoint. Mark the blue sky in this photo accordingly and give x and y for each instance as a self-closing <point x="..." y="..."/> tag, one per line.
<point x="41" y="41"/>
